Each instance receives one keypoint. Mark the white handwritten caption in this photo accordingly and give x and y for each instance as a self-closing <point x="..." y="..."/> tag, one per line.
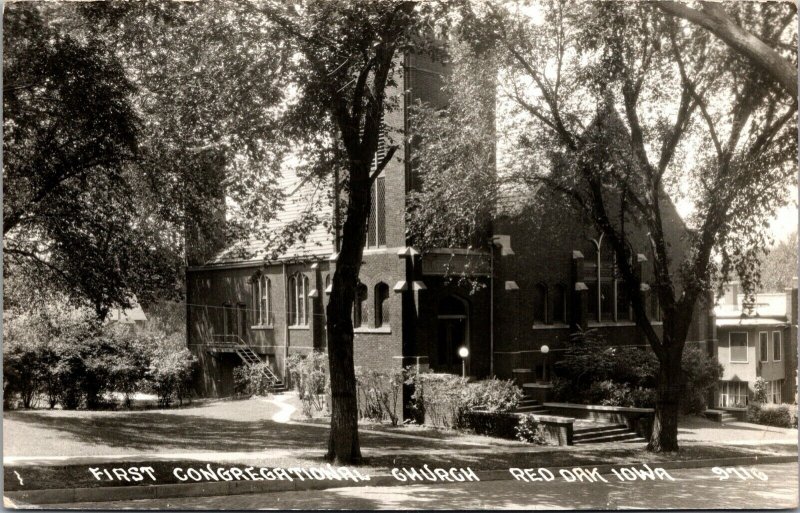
<point x="742" y="473"/>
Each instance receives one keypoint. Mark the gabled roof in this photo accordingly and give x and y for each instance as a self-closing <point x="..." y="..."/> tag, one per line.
<point x="302" y="197"/>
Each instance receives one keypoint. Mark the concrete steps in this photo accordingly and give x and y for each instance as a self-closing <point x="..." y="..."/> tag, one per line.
<point x="527" y="405"/>
<point x="605" y="433"/>
<point x="720" y="416"/>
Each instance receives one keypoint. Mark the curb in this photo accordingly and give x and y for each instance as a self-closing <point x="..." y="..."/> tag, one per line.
<point x="122" y="493"/>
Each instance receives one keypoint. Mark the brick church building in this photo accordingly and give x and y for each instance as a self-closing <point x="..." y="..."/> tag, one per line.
<point x="546" y="274"/>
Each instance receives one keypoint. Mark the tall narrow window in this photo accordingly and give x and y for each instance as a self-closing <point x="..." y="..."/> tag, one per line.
<point x="381" y="305"/>
<point x="776" y="346"/>
<point x="376" y="225"/>
<point x="360" y="316"/>
<point x="293" y="301"/>
<point x="560" y="304"/>
<point x="262" y="301"/>
<point x="540" y="303"/>
<point x="763" y="346"/>
<point x="738" y="347"/>
<point x="298" y="300"/>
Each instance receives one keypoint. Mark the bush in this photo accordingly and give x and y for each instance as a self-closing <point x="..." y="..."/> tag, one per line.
<point x="528" y="430"/>
<point x="491" y="395"/>
<point x="309" y="375"/>
<point x="250" y="380"/>
<point x="610" y="393"/>
<point x="700" y="373"/>
<point x="491" y="423"/>
<point x="443" y="399"/>
<point x="592" y="372"/>
<point x="760" y="390"/>
<point x="778" y="415"/>
<point x="379" y="394"/>
<point x="170" y="373"/>
<point x="22" y="371"/>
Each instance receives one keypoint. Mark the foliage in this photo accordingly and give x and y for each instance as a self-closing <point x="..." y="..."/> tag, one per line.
<point x="491" y="423"/>
<point x="492" y="395"/>
<point x="625" y="113"/>
<point x="778" y="415"/>
<point x="250" y="380"/>
<point x="309" y="375"/>
<point x="528" y="430"/>
<point x="779" y="265"/>
<point x="76" y="362"/>
<point x="21" y="372"/>
<point x="700" y="374"/>
<point x="760" y="390"/>
<point x="593" y="372"/>
<point x="443" y="399"/>
<point x="379" y="394"/>
<point x="456" y="146"/>
<point x="170" y="374"/>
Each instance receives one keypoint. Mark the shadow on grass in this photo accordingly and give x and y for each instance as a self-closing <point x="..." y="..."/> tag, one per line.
<point x="160" y="431"/>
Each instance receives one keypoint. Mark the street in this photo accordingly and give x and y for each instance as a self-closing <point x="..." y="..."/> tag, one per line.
<point x="692" y="489"/>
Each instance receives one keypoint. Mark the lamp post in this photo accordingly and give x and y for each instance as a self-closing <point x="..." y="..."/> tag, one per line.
<point x="463" y="352"/>
<point x="544" y="349"/>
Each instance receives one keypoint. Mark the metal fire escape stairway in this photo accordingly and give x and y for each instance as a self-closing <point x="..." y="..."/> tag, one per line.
<point x="234" y="343"/>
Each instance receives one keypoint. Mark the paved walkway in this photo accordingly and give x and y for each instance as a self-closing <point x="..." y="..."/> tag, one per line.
<point x="692" y="489"/>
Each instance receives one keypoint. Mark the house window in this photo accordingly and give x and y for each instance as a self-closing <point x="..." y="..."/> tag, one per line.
<point x="360" y="316"/>
<point x="733" y="394"/>
<point x="776" y="346"/>
<point x="262" y="301"/>
<point x="540" y="303"/>
<point x="763" y="346"/>
<point x="738" y="347"/>
<point x="774" y="391"/>
<point x="560" y="304"/>
<point x="381" y="305"/>
<point x="298" y="300"/>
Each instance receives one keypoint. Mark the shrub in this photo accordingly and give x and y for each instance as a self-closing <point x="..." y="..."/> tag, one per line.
<point x="442" y="399"/>
<point x="491" y="395"/>
<point x="700" y="373"/>
<point x="22" y="370"/>
<point x="760" y="390"/>
<point x="643" y="397"/>
<point x="778" y="415"/>
<point x="528" y="430"/>
<point x="309" y="375"/>
<point x="379" y="394"/>
<point x="491" y="423"/>
<point x="610" y="393"/>
<point x="169" y="374"/>
<point x="250" y="380"/>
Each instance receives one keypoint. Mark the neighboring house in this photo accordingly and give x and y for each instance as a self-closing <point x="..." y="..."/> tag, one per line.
<point x="757" y="339"/>
<point x="546" y="275"/>
<point x="133" y="316"/>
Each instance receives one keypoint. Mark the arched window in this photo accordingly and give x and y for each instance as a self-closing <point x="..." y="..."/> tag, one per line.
<point x="262" y="301"/>
<point x="560" y="304"/>
<point x="381" y="305"/>
<point x="540" y="303"/>
<point x="360" y="316"/>
<point x="298" y="300"/>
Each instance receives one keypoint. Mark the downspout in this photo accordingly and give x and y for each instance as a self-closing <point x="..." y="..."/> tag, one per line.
<point x="491" y="310"/>
<point x="285" y="322"/>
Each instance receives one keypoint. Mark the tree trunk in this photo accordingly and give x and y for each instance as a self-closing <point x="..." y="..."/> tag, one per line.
<point x="343" y="444"/>
<point x="669" y="390"/>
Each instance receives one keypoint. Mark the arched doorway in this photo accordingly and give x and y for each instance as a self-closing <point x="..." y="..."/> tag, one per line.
<point x="452" y="332"/>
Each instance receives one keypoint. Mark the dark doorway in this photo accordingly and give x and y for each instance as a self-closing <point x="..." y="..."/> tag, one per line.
<point x="452" y="334"/>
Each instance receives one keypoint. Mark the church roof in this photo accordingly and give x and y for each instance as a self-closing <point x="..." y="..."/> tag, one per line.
<point x="303" y="197"/>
